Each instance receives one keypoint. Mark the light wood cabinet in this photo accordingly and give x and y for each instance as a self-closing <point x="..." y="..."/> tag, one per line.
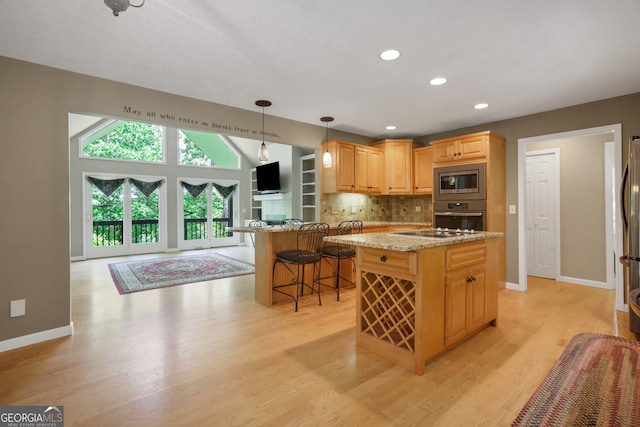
<point x="465" y="291"/>
<point x="398" y="167"/>
<point x="368" y="165"/>
<point x="423" y="170"/>
<point x="340" y="177"/>
<point x="481" y="147"/>
<point x="464" y="149"/>
<point x="413" y="305"/>
<point x="356" y="168"/>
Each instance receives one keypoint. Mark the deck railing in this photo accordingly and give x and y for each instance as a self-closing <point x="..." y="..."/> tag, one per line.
<point x="110" y="233"/>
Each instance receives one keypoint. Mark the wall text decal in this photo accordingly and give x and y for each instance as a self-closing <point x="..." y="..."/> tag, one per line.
<point x="199" y="123"/>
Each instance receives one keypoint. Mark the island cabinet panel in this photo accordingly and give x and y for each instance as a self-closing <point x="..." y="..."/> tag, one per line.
<point x="466" y="299"/>
<point x="413" y="305"/>
<point x="400" y="305"/>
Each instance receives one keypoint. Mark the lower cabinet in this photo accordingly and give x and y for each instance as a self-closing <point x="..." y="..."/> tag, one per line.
<point x="465" y="291"/>
<point x="411" y="306"/>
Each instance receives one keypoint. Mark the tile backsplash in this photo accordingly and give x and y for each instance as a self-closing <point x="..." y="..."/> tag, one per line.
<point x="343" y="206"/>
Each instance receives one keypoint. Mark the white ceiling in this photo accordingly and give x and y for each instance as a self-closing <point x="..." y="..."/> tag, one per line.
<point x="317" y="58"/>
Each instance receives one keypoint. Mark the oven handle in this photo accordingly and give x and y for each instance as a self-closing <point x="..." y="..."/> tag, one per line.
<point x="458" y="213"/>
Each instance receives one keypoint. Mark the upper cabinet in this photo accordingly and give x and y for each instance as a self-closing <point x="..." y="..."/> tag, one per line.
<point x="462" y="149"/>
<point x="356" y="168"/>
<point x="368" y="164"/>
<point x="423" y="170"/>
<point x="397" y="155"/>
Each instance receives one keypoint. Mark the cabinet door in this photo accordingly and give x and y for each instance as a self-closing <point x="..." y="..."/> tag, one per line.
<point x="398" y="167"/>
<point x="455" y="325"/>
<point x="374" y="171"/>
<point x="345" y="172"/>
<point x="444" y="152"/>
<point x="476" y="302"/>
<point x="368" y="170"/>
<point x="423" y="170"/>
<point x="361" y="180"/>
<point x="472" y="148"/>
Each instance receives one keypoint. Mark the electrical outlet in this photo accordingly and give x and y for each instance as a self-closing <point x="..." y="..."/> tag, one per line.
<point x="18" y="308"/>
<point x="512" y="209"/>
<point x="354" y="209"/>
<point x="418" y="208"/>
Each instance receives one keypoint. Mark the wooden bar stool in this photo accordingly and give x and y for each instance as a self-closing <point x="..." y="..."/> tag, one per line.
<point x="338" y="253"/>
<point x="309" y="241"/>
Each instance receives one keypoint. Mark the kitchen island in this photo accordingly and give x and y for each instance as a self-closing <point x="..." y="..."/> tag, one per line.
<point x="269" y="241"/>
<point x="418" y="296"/>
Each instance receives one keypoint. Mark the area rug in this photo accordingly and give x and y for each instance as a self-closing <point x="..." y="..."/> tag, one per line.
<point x="143" y="275"/>
<point x="594" y="383"/>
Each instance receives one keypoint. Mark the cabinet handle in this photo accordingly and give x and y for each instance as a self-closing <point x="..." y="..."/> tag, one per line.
<point x="383" y="258"/>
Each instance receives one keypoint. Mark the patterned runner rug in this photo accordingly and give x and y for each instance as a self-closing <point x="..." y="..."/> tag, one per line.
<point x="594" y="383"/>
<point x="143" y="275"/>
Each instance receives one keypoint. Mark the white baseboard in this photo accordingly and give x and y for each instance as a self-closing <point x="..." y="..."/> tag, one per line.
<point x="35" y="338"/>
<point x="168" y="250"/>
<point x="584" y="282"/>
<point x="78" y="258"/>
<point x="515" y="287"/>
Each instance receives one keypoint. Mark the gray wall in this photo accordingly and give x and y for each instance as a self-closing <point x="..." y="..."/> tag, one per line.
<point x="34" y="170"/>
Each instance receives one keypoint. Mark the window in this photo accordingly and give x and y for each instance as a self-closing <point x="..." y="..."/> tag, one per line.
<point x="205" y="149"/>
<point x="124" y="140"/>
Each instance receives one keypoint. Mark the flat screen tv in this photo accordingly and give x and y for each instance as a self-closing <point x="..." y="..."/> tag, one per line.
<point x="268" y="177"/>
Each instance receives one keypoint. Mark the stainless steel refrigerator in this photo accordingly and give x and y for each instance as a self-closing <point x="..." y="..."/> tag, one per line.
<point x="630" y="200"/>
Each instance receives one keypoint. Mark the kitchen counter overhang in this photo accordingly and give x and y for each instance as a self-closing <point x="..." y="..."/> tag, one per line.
<point x="406" y="243"/>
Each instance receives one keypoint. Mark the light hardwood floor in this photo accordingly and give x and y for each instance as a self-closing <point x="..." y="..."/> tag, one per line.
<point x="205" y="354"/>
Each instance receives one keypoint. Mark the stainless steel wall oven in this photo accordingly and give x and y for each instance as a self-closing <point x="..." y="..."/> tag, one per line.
<point x="463" y="215"/>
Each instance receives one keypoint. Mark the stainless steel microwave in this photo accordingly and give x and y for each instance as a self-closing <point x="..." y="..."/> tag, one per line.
<point x="460" y="182"/>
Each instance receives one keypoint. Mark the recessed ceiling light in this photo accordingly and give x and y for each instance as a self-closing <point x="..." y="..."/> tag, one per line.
<point x="391" y="127"/>
<point x="438" y="81"/>
<point x="390" y="55"/>
<point x="481" y="106"/>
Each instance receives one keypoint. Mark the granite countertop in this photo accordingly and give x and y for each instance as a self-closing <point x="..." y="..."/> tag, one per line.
<point x="404" y="243"/>
<point x="277" y="228"/>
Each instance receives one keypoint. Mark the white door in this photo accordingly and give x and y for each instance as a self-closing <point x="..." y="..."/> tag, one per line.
<point x="541" y="213"/>
<point x="207" y="208"/>
<point x="125" y="215"/>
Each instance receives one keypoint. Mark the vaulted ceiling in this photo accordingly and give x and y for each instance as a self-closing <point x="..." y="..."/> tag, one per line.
<point x="317" y="58"/>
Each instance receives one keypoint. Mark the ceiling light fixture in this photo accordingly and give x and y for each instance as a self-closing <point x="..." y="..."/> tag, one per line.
<point x="120" y="5"/>
<point x="263" y="154"/>
<point x="391" y="127"/>
<point x="481" y="106"/>
<point x="438" y="81"/>
<point x="390" y="55"/>
<point x="327" y="160"/>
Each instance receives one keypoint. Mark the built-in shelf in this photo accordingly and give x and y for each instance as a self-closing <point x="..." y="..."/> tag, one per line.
<point x="308" y="190"/>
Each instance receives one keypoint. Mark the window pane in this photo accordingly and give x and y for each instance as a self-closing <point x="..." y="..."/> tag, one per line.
<point x="205" y="149"/>
<point x="126" y="141"/>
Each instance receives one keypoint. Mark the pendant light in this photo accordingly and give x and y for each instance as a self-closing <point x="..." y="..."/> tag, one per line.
<point x="327" y="161"/>
<point x="263" y="154"/>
